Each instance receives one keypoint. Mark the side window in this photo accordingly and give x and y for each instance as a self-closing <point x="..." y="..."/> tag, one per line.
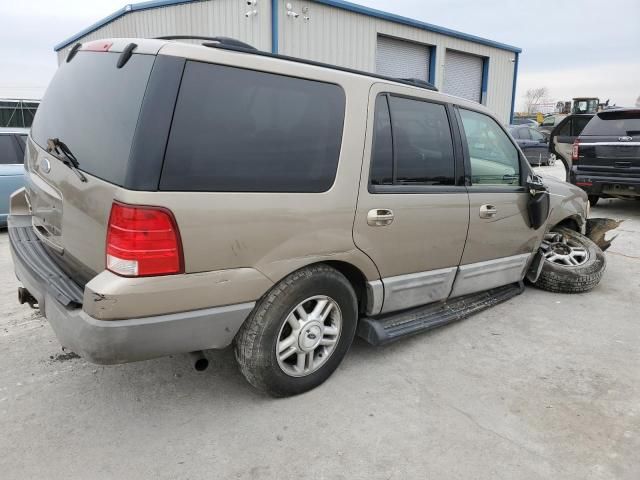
<point x="549" y="121"/>
<point x="423" y="148"/>
<point x="523" y="134"/>
<point x="535" y="135"/>
<point x="494" y="159"/>
<point x="565" y="129"/>
<point x="9" y="150"/>
<point x="239" y="130"/>
<point x="382" y="153"/>
<point x="578" y="125"/>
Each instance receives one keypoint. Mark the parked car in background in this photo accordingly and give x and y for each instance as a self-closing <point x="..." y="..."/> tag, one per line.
<point x="562" y="137"/>
<point x="525" y="121"/>
<point x="606" y="155"/>
<point x="236" y="197"/>
<point x="550" y="122"/>
<point x="533" y="144"/>
<point x="12" y="144"/>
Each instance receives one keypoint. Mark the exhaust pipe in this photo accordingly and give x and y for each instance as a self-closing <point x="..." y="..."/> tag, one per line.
<point x="200" y="362"/>
<point x="24" y="296"/>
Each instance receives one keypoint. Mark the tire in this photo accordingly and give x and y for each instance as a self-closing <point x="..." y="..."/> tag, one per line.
<point x="593" y="199"/>
<point x="266" y="328"/>
<point x="556" y="277"/>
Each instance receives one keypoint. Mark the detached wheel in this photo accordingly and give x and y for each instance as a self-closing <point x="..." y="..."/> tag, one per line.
<point x="572" y="262"/>
<point x="299" y="332"/>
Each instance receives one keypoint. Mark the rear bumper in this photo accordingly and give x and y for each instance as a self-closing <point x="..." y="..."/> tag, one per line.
<point x="598" y="184"/>
<point x="113" y="341"/>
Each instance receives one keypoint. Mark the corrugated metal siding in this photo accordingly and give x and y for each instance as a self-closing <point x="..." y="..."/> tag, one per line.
<point x="209" y="17"/>
<point x="398" y="58"/>
<point x="463" y="75"/>
<point x="330" y="35"/>
<point x="349" y="39"/>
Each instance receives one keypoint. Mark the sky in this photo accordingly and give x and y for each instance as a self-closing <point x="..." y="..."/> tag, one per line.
<point x="572" y="47"/>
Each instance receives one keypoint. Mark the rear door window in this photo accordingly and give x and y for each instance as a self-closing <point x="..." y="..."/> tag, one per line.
<point x="9" y="150"/>
<point x="422" y="141"/>
<point x="535" y="135"/>
<point x="238" y="130"/>
<point x="382" y="155"/>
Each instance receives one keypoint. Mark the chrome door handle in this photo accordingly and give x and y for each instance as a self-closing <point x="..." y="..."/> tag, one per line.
<point x="379" y="217"/>
<point x="488" y="211"/>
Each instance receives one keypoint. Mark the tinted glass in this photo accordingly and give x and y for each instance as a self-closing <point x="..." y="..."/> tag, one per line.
<point x="494" y="159"/>
<point x="578" y="124"/>
<point x="93" y="107"/>
<point x="535" y="135"/>
<point x="564" y="129"/>
<point x="382" y="153"/>
<point x="243" y="130"/>
<point x="9" y="150"/>
<point x="624" y="123"/>
<point x="422" y="142"/>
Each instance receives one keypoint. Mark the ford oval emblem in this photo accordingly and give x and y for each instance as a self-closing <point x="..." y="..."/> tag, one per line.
<point x="625" y="139"/>
<point x="45" y="165"/>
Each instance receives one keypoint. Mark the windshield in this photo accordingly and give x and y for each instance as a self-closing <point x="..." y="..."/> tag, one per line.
<point x="93" y="108"/>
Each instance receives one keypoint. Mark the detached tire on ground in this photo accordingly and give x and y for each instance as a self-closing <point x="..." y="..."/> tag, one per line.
<point x="572" y="262"/>
<point x="299" y="332"/>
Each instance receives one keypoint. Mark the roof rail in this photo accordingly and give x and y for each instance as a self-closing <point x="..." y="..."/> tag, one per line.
<point x="211" y="41"/>
<point x="418" y="82"/>
<point x="226" y="43"/>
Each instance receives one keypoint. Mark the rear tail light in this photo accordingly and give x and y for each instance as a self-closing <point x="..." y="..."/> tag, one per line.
<point x="575" y="151"/>
<point x="143" y="241"/>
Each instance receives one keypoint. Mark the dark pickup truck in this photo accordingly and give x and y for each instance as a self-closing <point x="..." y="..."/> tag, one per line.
<point x="606" y="156"/>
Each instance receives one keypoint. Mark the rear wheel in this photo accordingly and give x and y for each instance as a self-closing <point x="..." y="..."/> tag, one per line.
<point x="572" y="262"/>
<point x="299" y="332"/>
<point x="593" y="199"/>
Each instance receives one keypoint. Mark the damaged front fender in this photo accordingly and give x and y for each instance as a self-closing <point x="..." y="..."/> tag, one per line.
<point x="597" y="228"/>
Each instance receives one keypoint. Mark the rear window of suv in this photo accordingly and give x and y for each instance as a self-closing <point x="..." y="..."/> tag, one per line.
<point x="612" y="123"/>
<point x="238" y="130"/>
<point x="93" y="107"/>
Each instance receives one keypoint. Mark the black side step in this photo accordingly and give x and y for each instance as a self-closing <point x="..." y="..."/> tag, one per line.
<point x="388" y="328"/>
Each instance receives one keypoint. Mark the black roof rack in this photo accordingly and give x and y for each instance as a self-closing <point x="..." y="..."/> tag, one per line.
<point x="227" y="43"/>
<point x="211" y="41"/>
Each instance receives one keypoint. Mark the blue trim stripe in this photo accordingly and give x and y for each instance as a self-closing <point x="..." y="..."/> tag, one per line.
<point x="352" y="7"/>
<point x="485" y="80"/>
<point x="513" y="90"/>
<point x="432" y="65"/>
<point x="274" y="26"/>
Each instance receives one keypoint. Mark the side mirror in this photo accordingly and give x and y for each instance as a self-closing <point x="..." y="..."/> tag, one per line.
<point x="539" y="201"/>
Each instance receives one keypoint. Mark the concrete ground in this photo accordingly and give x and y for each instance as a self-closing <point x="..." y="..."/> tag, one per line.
<point x="544" y="386"/>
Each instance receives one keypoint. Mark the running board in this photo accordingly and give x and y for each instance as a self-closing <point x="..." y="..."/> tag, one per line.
<point x="391" y="327"/>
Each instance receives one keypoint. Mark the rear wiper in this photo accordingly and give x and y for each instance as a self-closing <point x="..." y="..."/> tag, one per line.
<point x="60" y="150"/>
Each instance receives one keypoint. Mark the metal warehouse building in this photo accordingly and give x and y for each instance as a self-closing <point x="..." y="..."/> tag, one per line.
<point x="336" y="32"/>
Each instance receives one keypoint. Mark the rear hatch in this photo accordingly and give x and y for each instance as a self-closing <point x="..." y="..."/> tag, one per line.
<point x="92" y="106"/>
<point x="610" y="144"/>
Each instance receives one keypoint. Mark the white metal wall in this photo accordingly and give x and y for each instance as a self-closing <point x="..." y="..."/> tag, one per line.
<point x="463" y="75"/>
<point x="348" y="39"/>
<point x="209" y="18"/>
<point x="402" y="59"/>
<point x="330" y="35"/>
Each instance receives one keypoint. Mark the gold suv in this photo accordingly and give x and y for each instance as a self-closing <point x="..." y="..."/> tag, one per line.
<point x="184" y="197"/>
